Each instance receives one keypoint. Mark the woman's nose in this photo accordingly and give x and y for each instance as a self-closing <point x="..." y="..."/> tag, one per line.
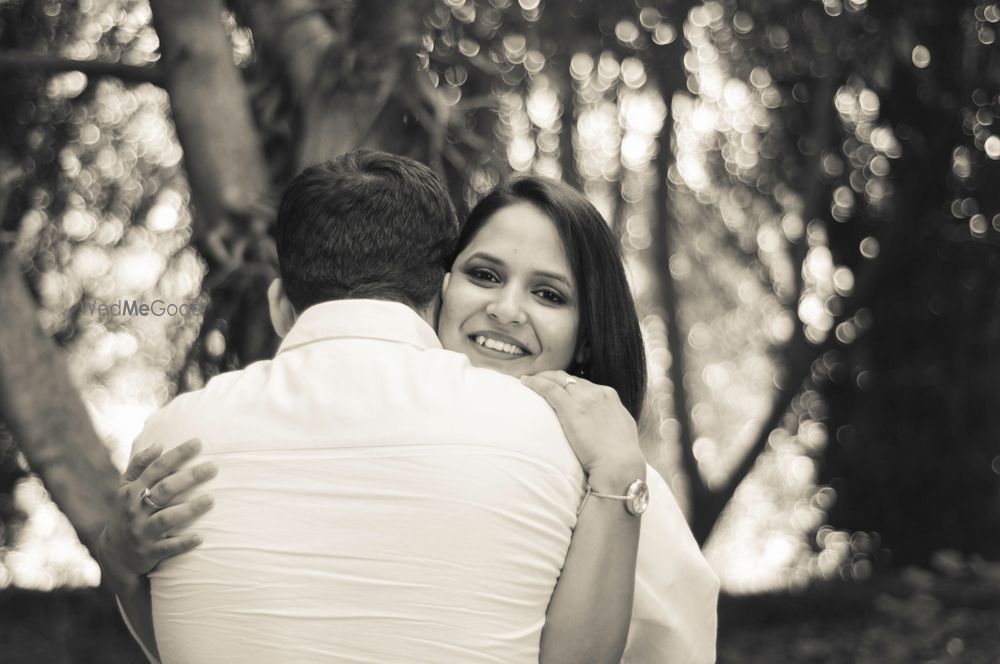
<point x="506" y="308"/>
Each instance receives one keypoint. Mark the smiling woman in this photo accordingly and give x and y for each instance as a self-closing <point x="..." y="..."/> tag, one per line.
<point x="509" y="302"/>
<point x="538" y="284"/>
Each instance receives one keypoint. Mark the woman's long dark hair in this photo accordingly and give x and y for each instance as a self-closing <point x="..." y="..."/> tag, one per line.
<point x="609" y="325"/>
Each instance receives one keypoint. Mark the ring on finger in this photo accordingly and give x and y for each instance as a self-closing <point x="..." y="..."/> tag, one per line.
<point x="569" y="381"/>
<point x="145" y="496"/>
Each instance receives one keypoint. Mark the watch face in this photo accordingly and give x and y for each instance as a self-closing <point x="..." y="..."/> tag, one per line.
<point x="638" y="497"/>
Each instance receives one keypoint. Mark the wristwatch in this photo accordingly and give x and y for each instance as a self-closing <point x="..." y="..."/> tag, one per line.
<point x="636" y="497"/>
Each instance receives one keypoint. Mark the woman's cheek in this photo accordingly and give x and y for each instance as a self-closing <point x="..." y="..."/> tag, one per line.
<point x="460" y="297"/>
<point x="560" y="333"/>
<point x="455" y="307"/>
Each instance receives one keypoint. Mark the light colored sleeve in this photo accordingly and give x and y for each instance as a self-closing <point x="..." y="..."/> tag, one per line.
<point x="674" y="615"/>
<point x="153" y="431"/>
<point x="135" y="635"/>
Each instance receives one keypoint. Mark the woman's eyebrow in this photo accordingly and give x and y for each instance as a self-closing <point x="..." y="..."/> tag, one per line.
<point x="482" y="255"/>
<point x="554" y="276"/>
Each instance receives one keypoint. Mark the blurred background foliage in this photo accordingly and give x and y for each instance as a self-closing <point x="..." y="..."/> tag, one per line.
<point x="806" y="191"/>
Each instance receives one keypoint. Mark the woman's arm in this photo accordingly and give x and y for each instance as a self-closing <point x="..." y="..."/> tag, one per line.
<point x="588" y="615"/>
<point x="137" y="536"/>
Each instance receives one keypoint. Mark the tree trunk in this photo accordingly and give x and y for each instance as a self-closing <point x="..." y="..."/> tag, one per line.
<point x="670" y="76"/>
<point x="46" y="415"/>
<point x="210" y="107"/>
<point x="226" y="170"/>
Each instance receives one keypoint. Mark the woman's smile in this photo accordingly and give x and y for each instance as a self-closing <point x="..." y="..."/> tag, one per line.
<point x="509" y="302"/>
<point x="495" y="342"/>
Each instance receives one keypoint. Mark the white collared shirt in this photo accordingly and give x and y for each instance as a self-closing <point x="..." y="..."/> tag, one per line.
<point x="380" y="500"/>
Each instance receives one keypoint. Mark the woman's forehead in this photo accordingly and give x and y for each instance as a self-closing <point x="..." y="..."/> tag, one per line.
<point x="523" y="232"/>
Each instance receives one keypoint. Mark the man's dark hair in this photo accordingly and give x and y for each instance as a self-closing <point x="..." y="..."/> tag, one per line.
<point x="365" y="224"/>
<point x="609" y="325"/>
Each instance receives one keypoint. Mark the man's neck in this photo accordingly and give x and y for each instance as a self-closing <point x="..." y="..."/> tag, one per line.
<point x="429" y="314"/>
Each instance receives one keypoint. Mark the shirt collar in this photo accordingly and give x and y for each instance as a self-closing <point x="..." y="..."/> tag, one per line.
<point x="360" y="319"/>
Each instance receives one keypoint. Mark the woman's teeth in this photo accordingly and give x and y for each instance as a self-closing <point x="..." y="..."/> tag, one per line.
<point x="493" y="344"/>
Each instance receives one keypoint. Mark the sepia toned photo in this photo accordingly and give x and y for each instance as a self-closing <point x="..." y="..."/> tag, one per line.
<point x="499" y="331"/>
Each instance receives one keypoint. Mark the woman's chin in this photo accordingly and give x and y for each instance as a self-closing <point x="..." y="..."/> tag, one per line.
<point x="515" y="368"/>
<point x="525" y="366"/>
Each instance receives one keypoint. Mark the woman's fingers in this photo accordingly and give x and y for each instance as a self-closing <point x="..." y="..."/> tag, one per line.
<point x="597" y="427"/>
<point x="563" y="379"/>
<point x="550" y="389"/>
<point x="176" y="516"/>
<point x="580" y="392"/>
<point x="174" y="546"/>
<point x="169" y="463"/>
<point x="140" y="462"/>
<point x="166" y="490"/>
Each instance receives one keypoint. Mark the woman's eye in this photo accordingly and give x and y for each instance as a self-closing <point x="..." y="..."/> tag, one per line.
<point x="552" y="296"/>
<point x="482" y="274"/>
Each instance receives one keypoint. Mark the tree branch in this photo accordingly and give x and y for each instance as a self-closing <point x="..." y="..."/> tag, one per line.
<point x="799" y="353"/>
<point x="298" y="37"/>
<point x="11" y="174"/>
<point x="567" y="152"/>
<point x="803" y="355"/>
<point x="796" y="374"/>
<point x="342" y="78"/>
<point x="14" y="61"/>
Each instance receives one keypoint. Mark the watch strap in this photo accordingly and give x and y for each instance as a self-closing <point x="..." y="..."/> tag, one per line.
<point x="590" y="492"/>
<point x="606" y="495"/>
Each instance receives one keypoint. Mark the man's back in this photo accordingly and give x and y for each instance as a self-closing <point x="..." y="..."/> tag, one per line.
<point x="378" y="500"/>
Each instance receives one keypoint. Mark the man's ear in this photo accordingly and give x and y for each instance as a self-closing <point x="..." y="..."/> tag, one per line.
<point x="445" y="282"/>
<point x="282" y="312"/>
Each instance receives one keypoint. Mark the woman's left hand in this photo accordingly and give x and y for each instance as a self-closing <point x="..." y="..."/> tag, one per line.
<point x="137" y="536"/>
<point x="599" y="429"/>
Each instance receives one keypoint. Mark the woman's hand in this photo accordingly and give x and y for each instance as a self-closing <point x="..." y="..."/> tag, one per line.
<point x="601" y="432"/>
<point x="137" y="536"/>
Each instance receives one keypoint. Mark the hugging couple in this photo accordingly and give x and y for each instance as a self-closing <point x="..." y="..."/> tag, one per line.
<point x="441" y="462"/>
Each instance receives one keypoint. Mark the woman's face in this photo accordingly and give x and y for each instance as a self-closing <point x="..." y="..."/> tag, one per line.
<point x="510" y="301"/>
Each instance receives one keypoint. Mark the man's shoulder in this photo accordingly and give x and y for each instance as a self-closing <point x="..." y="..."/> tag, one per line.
<point x="488" y="406"/>
<point x="490" y="394"/>
<point x="230" y="384"/>
<point x="188" y="415"/>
